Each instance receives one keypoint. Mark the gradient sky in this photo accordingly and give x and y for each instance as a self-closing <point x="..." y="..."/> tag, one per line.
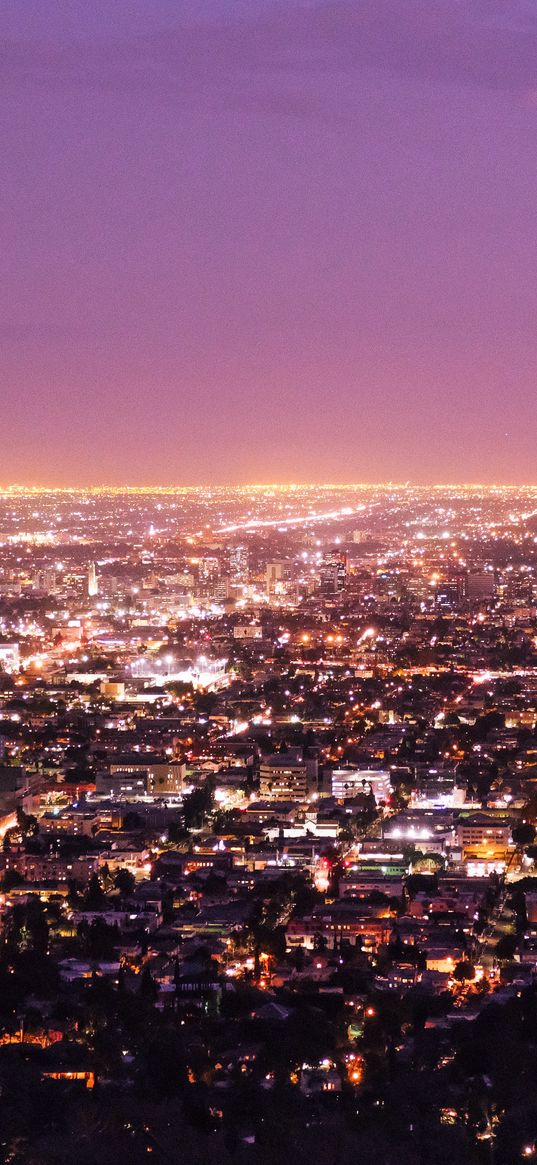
<point x="251" y="240"/>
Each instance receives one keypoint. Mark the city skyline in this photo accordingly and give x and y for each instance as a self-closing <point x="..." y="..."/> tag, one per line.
<point x="265" y="241"/>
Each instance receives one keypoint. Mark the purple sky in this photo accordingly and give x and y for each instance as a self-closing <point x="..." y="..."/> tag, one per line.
<point x="250" y="240"/>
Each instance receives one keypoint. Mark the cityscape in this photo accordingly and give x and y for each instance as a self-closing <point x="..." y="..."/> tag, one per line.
<point x="268" y="582"/>
<point x="268" y="797"/>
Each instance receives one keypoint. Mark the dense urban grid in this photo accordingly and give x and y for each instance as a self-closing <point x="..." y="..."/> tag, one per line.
<point x="268" y="806"/>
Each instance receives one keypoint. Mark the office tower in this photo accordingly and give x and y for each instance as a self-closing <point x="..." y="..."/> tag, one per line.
<point x="46" y="580"/>
<point x="93" y="582"/>
<point x="333" y="573"/>
<point x="481" y="586"/>
<point x="238" y="564"/>
<point x="273" y="576"/>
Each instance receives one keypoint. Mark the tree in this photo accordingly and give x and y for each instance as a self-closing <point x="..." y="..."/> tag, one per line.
<point x="95" y="897"/>
<point x="99" y="938"/>
<point x="487" y="723"/>
<point x="197" y="805"/>
<point x="506" y="947"/>
<point x="28" y="927"/>
<point x="464" y="971"/>
<point x="12" y="878"/>
<point x="148" y="987"/>
<point x="524" y="834"/>
<point x="428" y="863"/>
<point x="124" y="881"/>
<point x="27" y="824"/>
<point x="182" y="691"/>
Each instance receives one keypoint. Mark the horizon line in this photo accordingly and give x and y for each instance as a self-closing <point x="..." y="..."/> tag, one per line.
<point x="104" y="487"/>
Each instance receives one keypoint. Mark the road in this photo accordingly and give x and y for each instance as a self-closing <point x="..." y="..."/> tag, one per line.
<point x="500" y="924"/>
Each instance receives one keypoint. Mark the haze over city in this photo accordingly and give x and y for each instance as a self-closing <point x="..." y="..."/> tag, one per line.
<point x="268" y="241"/>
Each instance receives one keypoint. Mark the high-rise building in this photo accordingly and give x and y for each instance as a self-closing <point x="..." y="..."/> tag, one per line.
<point x="209" y="569"/>
<point x="481" y="586"/>
<point x="461" y="582"/>
<point x="333" y="573"/>
<point x="238" y="564"/>
<point x="284" y="777"/>
<point x="45" y="580"/>
<point x="93" y="582"/>
<point x="273" y="576"/>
